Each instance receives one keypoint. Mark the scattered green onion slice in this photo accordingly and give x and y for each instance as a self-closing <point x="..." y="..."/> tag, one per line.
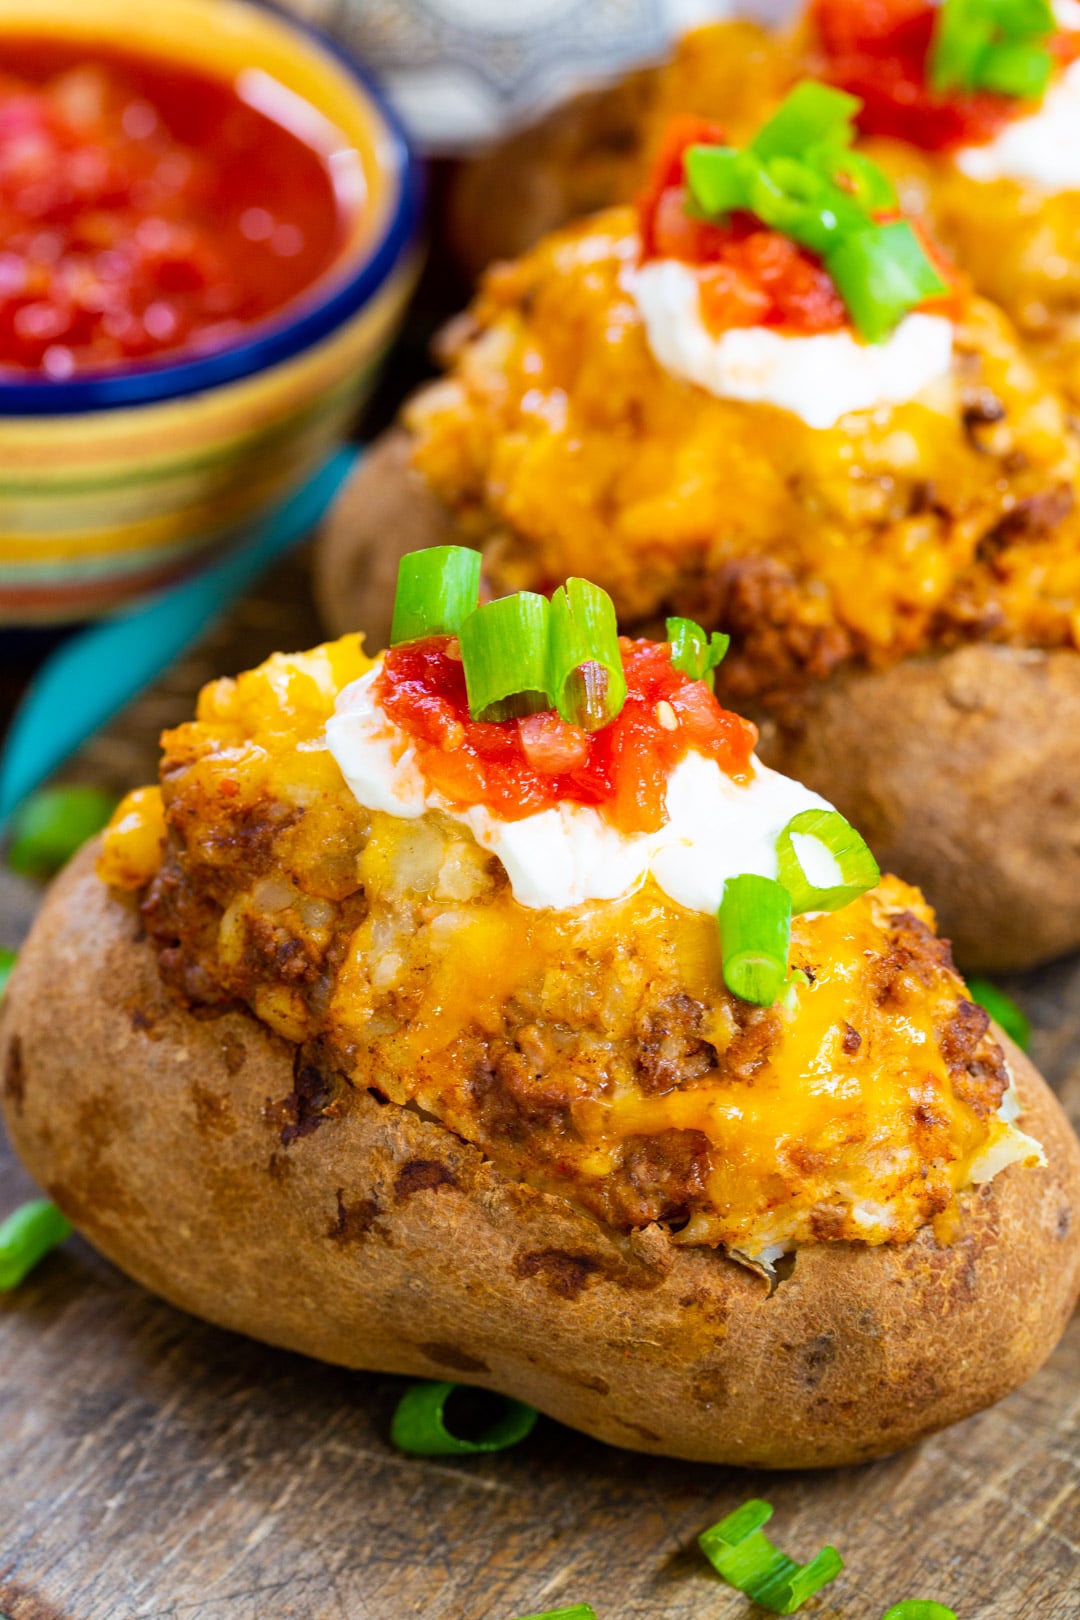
<point x="917" y="1609"/>
<point x="437" y="589"/>
<point x="504" y="649"/>
<point x="26" y="1237"/>
<point x="811" y="113"/>
<point x="1003" y="1010"/>
<point x="881" y="274"/>
<point x="53" y="824"/>
<point x="585" y="672"/>
<point x="695" y="653"/>
<point x="739" y="1550"/>
<point x="755" y="934"/>
<point x="576" y="1611"/>
<point x="419" y="1424"/>
<point x="857" y="867"/>
<point x="7" y="965"/>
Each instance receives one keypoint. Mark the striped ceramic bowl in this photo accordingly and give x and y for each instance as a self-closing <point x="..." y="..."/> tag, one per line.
<point x="113" y="485"/>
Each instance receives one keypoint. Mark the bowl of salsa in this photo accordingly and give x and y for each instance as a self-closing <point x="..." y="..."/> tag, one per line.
<point x="208" y="230"/>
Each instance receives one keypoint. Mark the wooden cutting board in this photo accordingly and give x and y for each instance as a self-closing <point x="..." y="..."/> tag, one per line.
<point x="154" y="1468"/>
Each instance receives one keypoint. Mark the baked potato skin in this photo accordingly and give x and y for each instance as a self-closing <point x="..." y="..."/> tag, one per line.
<point x="961" y="772"/>
<point x="376" y="1239"/>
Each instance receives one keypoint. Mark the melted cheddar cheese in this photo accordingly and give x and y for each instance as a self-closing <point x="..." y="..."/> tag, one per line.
<point x="592" y="1051"/>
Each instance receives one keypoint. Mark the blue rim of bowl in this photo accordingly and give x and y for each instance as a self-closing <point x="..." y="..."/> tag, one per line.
<point x="291" y="333"/>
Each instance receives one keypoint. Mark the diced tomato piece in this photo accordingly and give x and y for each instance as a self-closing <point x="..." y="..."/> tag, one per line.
<point x="879" y="50"/>
<point x="519" y="767"/>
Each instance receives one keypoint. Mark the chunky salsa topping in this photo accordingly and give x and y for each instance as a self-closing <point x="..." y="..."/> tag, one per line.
<point x="881" y="51"/>
<point x="748" y="275"/>
<point x="146" y="207"/>
<point x="519" y="767"/>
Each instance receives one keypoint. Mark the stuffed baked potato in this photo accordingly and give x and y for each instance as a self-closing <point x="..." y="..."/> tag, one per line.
<point x="997" y="175"/>
<point x="378" y="1033"/>
<point x="900" y="574"/>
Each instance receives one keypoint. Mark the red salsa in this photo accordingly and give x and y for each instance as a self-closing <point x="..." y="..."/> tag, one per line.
<point x="147" y="207"/>
<point x="519" y="767"/>
<point x="747" y="275"/>
<point x="878" y="50"/>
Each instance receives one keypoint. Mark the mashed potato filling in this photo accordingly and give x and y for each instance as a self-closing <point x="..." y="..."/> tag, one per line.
<point x="591" y="1051"/>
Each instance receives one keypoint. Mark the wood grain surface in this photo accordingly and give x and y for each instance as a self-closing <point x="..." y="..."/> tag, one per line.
<point x="152" y="1467"/>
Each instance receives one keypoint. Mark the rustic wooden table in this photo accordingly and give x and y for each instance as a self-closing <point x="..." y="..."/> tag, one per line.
<point x="153" y="1468"/>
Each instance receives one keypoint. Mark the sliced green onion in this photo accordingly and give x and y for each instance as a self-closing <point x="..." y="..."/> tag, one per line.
<point x="916" y="1609"/>
<point x="585" y="671"/>
<point x="811" y="113"/>
<point x="53" y="824"/>
<point x="739" y="1550"/>
<point x="755" y="934"/>
<point x="881" y="274"/>
<point x="856" y="866"/>
<point x="695" y="653"/>
<point x="504" y="650"/>
<point x="419" y="1425"/>
<point x="7" y="965"/>
<point x="26" y="1237"/>
<point x="996" y="45"/>
<point x="869" y="186"/>
<point x="716" y="176"/>
<point x="1003" y="1010"/>
<point x="1015" y="68"/>
<point x="437" y="589"/>
<point x="576" y="1611"/>
<point x="960" y="43"/>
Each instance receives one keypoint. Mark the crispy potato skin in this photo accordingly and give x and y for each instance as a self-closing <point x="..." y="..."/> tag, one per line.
<point x="961" y="771"/>
<point x="379" y="1240"/>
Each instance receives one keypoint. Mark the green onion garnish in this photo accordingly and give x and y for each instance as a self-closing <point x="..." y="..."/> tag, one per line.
<point x="695" y="653"/>
<point x="1019" y="70"/>
<point x="585" y="671"/>
<point x="26" y="1237"/>
<point x="739" y="1550"/>
<point x="812" y="113"/>
<point x="7" y="964"/>
<point x="576" y="1611"/>
<point x="916" y="1609"/>
<point x="880" y="275"/>
<point x="855" y="866"/>
<point x="504" y="648"/>
<point x="437" y="589"/>
<point x="800" y="177"/>
<point x="419" y="1425"/>
<point x="996" y="45"/>
<point x="755" y="935"/>
<point x="53" y="824"/>
<point x="1003" y="1010"/>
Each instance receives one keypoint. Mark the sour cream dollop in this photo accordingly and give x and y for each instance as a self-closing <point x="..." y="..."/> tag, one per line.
<point x="1042" y="150"/>
<point x="563" y="857"/>
<point x="819" y="378"/>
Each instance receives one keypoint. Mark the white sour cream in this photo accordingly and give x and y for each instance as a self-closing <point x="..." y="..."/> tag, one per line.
<point x="819" y="378"/>
<point x="716" y="828"/>
<point x="1042" y="150"/>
